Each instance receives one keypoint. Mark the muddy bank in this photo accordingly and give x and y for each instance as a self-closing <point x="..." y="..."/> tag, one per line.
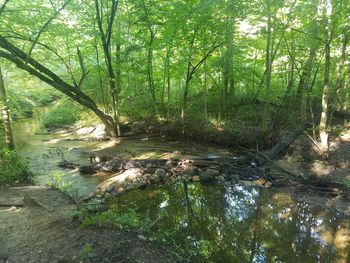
<point x="41" y="229"/>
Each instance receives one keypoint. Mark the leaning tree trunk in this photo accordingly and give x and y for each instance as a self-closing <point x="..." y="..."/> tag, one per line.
<point x="33" y="67"/>
<point x="261" y="158"/>
<point x="5" y="114"/>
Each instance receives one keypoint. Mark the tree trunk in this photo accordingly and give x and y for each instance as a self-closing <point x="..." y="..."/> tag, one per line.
<point x="304" y="84"/>
<point x="268" y="66"/>
<point x="38" y="70"/>
<point x="106" y="46"/>
<point x="325" y="96"/>
<point x="261" y="159"/>
<point x="205" y="91"/>
<point x="5" y="114"/>
<point x="340" y="76"/>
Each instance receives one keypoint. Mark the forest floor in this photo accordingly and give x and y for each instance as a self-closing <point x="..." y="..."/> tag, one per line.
<point x="303" y="157"/>
<point x="42" y="230"/>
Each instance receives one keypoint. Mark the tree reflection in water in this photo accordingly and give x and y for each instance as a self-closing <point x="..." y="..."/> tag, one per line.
<point x="241" y="224"/>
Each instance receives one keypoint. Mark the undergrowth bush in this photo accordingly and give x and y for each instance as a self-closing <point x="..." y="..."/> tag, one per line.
<point x="62" y="113"/>
<point x="12" y="168"/>
<point x="86" y="119"/>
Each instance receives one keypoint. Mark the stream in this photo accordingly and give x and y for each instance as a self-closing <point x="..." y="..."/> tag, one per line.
<point x="212" y="223"/>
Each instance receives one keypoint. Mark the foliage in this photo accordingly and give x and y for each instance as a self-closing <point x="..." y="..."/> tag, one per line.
<point x="57" y="181"/>
<point x="62" y="113"/>
<point x="86" y="119"/>
<point x="129" y="220"/>
<point x="87" y="253"/>
<point x="12" y="168"/>
<point x="179" y="60"/>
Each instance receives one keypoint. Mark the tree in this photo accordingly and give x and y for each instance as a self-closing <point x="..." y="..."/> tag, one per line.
<point x="5" y="114"/>
<point x="327" y="5"/>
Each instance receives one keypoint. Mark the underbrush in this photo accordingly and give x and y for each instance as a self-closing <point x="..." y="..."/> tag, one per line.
<point x="86" y="118"/>
<point x="61" y="114"/>
<point x="241" y="127"/>
<point x="99" y="215"/>
<point x="12" y="168"/>
<point x="22" y="104"/>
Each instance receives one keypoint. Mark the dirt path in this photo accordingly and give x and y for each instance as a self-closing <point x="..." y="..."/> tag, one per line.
<point x="43" y="231"/>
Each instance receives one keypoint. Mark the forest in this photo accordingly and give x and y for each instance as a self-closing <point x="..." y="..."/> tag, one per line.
<point x="179" y="124"/>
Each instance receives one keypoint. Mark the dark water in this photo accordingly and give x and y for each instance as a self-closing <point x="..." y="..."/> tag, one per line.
<point x="240" y="224"/>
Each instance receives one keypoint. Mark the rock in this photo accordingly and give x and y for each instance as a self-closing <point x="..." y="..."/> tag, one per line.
<point x="209" y="175"/>
<point x="260" y="182"/>
<point x="221" y="179"/>
<point x="189" y="171"/>
<point x="85" y="130"/>
<point x="149" y="165"/>
<point x="133" y="173"/>
<point x="268" y="184"/>
<point x="196" y="178"/>
<point x="12" y="209"/>
<point x="99" y="132"/>
<point x="141" y="237"/>
<point x="234" y="178"/>
<point x="107" y="195"/>
<point x="114" y="193"/>
<point x="154" y="179"/>
<point x="245" y="183"/>
<point x="160" y="172"/>
<point x="119" y="189"/>
<point x="148" y="175"/>
<point x="87" y="169"/>
<point x="171" y="163"/>
<point x="29" y="201"/>
<point x="141" y="185"/>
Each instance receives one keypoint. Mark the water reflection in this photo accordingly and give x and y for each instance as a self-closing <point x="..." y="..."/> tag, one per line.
<point x="240" y="224"/>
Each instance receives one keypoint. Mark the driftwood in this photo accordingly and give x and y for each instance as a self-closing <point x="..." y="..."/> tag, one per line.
<point x="261" y="158"/>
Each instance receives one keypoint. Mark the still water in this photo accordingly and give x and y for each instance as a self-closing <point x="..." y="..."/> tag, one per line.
<point x="232" y="223"/>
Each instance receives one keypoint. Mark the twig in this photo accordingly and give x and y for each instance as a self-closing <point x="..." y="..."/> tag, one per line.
<point x="313" y="141"/>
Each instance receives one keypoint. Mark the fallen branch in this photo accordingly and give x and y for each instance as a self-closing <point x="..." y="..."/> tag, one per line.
<point x="271" y="154"/>
<point x="280" y="167"/>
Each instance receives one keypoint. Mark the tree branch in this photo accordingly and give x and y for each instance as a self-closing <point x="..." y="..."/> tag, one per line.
<point x="2" y="8"/>
<point x="45" y="26"/>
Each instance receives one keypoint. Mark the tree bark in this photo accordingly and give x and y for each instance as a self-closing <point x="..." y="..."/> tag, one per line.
<point x="106" y="45"/>
<point x="268" y="66"/>
<point x="325" y="96"/>
<point x="5" y="114"/>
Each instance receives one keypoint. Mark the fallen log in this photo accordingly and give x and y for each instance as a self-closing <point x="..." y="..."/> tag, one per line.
<point x="261" y="158"/>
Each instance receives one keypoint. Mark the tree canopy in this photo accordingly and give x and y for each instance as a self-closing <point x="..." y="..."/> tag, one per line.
<point x="186" y="60"/>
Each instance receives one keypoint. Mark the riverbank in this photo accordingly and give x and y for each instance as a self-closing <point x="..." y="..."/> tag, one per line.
<point x="38" y="233"/>
<point x="37" y="226"/>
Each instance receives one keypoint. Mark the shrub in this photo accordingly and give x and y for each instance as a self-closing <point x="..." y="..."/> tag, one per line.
<point x="87" y="118"/>
<point x="63" y="113"/>
<point x="12" y="168"/>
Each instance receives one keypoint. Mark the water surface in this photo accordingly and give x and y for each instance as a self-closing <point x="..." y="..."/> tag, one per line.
<point x="232" y="223"/>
